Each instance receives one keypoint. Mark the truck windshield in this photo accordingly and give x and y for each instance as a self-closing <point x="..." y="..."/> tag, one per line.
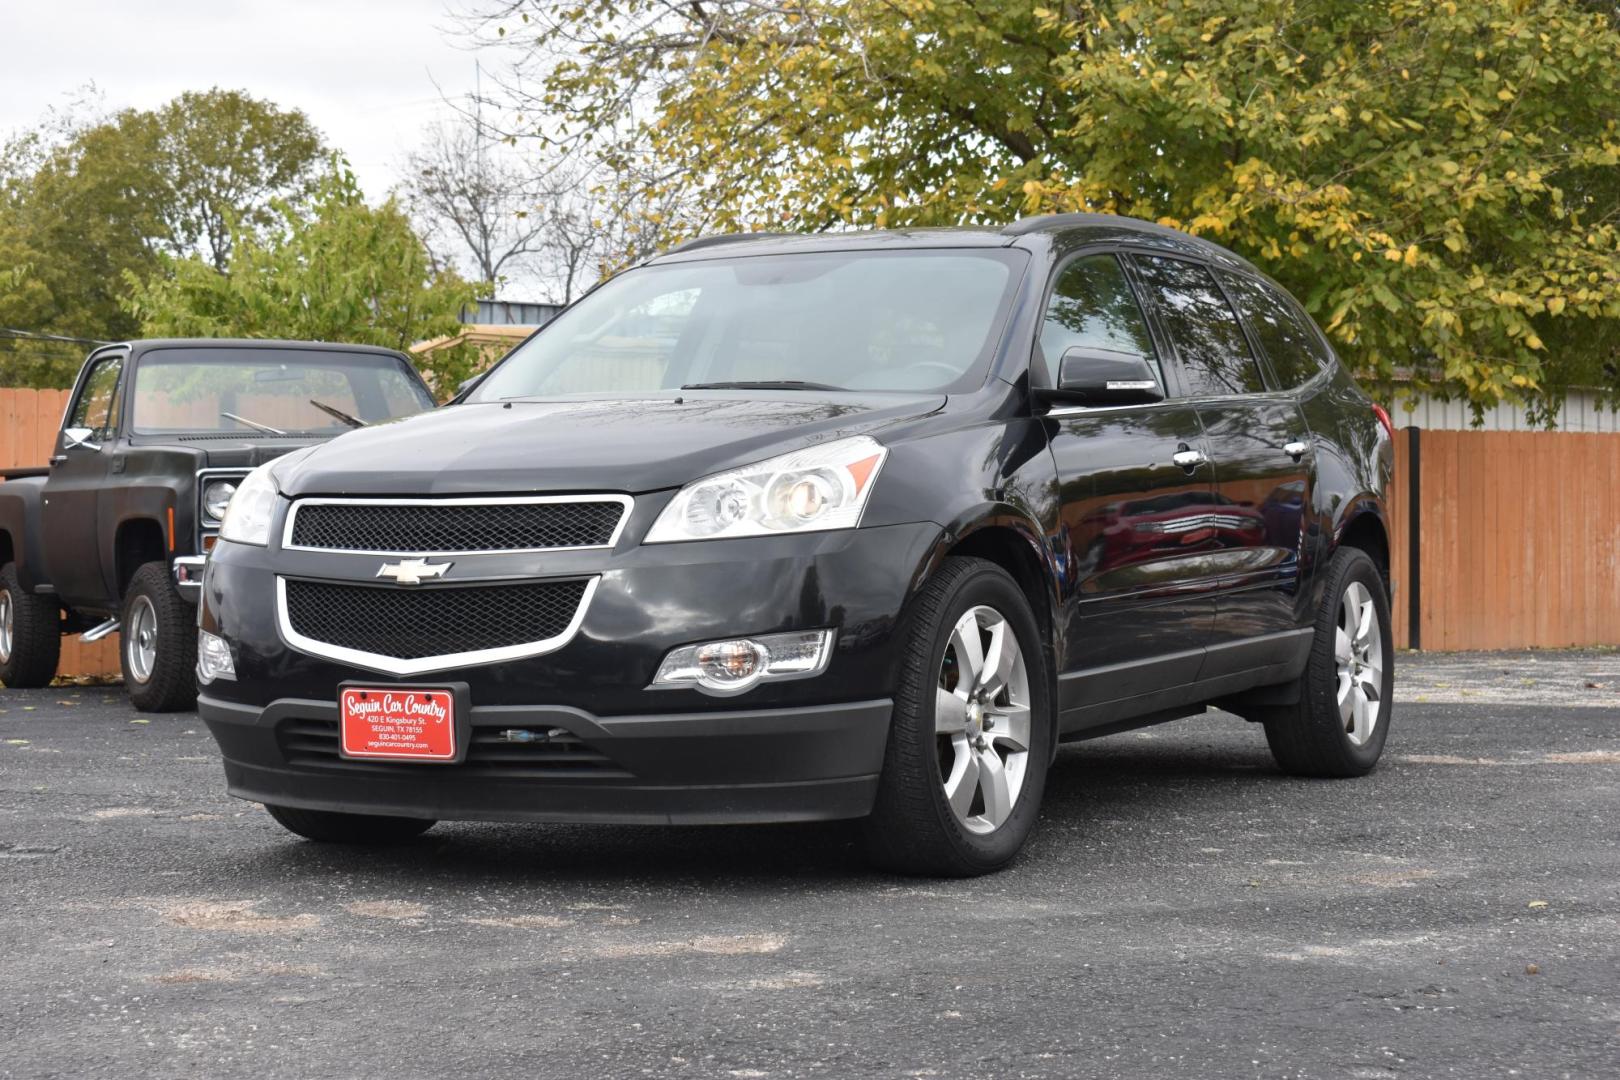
<point x="270" y="391"/>
<point x="911" y="320"/>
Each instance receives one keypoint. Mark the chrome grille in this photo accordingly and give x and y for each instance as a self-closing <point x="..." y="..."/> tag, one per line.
<point x="406" y="630"/>
<point x="455" y="526"/>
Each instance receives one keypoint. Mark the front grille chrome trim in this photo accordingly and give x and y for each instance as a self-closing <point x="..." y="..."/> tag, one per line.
<point x="391" y="665"/>
<point x="469" y="500"/>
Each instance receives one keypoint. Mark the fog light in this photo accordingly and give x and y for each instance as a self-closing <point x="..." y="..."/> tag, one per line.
<point x="736" y="664"/>
<point x="213" y="658"/>
<point x="726" y="663"/>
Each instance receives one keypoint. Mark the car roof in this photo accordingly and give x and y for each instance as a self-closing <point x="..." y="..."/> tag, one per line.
<point x="1065" y="230"/>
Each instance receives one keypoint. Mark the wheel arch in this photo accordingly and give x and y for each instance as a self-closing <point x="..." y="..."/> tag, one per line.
<point x="1365" y="527"/>
<point x="1010" y="538"/>
<point x="138" y="541"/>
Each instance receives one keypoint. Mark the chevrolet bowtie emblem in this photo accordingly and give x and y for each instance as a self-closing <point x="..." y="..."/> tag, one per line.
<point x="413" y="571"/>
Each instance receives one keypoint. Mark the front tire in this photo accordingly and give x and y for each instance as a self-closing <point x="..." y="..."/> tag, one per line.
<point x="331" y="827"/>
<point x="158" y="646"/>
<point x="971" y="733"/>
<point x="1339" y="726"/>
<point x="30" y="634"/>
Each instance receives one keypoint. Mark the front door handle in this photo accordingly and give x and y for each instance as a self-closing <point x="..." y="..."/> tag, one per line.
<point x="1188" y="458"/>
<point x="1296" y="449"/>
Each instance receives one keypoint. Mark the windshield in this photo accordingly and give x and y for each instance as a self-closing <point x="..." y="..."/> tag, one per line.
<point x="904" y="321"/>
<point x="270" y="391"/>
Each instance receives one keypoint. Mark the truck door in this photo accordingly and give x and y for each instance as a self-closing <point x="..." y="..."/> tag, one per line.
<point x="70" y="533"/>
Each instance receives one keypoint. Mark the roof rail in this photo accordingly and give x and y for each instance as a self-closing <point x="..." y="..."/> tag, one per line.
<point x="1037" y="222"/>
<point x="725" y="238"/>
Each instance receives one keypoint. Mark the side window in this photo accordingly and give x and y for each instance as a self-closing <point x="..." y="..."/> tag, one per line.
<point x="94" y="407"/>
<point x="1288" y="341"/>
<point x="1092" y="305"/>
<point x="1209" y="341"/>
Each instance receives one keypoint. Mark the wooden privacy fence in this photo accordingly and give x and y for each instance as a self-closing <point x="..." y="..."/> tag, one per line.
<point x="1517" y="541"/>
<point x="1506" y="539"/>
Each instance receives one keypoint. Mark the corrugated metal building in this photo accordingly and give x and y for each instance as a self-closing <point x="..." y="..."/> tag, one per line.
<point x="1581" y="412"/>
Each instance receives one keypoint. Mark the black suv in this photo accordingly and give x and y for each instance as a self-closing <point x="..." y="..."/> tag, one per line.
<point x="794" y="528"/>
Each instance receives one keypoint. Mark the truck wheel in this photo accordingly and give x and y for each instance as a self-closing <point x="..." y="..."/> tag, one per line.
<point x="1342" y="719"/>
<point x="971" y="734"/>
<point x="331" y="827"/>
<point x="30" y="634"/>
<point x="159" y="647"/>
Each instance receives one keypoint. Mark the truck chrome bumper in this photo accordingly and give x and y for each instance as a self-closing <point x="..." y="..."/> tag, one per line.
<point x="188" y="575"/>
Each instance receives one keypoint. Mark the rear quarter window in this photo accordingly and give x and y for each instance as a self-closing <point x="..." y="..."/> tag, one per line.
<point x="1292" y="346"/>
<point x="1212" y="352"/>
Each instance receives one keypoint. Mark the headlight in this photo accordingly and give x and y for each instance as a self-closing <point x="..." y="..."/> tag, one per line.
<point x="216" y="496"/>
<point x="214" y="659"/>
<point x="247" y="518"/>
<point x="824" y="487"/>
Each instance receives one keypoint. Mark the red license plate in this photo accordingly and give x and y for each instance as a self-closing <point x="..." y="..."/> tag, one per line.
<point x="397" y="724"/>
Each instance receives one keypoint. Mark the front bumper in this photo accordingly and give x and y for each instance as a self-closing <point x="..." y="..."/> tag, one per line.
<point x="733" y="766"/>
<point x="808" y="749"/>
<point x="188" y="576"/>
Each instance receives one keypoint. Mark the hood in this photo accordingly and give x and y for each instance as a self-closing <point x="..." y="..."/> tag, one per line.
<point x="623" y="445"/>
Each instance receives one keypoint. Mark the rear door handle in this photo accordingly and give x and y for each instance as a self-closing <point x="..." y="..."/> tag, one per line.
<point x="1188" y="458"/>
<point x="1296" y="449"/>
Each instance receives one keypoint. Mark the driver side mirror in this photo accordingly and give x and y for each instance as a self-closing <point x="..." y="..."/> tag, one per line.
<point x="75" y="437"/>
<point x="1092" y="376"/>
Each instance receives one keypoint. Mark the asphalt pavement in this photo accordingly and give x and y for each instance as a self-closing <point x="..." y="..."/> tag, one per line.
<point x="1183" y="911"/>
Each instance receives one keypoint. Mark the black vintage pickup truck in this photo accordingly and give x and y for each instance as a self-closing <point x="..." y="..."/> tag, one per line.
<point x="113" y="533"/>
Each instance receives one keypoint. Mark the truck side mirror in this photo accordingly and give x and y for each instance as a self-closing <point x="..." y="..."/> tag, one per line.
<point x="75" y="437"/>
<point x="1092" y="376"/>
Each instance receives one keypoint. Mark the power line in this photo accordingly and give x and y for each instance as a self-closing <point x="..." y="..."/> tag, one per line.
<point x="30" y="335"/>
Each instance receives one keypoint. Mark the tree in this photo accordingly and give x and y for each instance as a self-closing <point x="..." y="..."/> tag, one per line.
<point x="1437" y="180"/>
<point x="462" y="188"/>
<point x="87" y="199"/>
<point x="221" y="155"/>
<point x="346" y="271"/>
<point x="552" y="215"/>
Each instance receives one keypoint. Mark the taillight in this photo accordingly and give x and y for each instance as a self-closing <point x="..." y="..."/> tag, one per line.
<point x="1383" y="418"/>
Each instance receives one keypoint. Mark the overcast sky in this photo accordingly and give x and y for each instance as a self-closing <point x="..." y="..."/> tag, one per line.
<point x="369" y="73"/>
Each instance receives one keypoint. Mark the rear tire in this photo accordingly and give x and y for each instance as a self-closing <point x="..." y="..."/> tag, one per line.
<point x="30" y="634"/>
<point x="1339" y="726"/>
<point x="970" y="738"/>
<point x="331" y="827"/>
<point x="158" y="643"/>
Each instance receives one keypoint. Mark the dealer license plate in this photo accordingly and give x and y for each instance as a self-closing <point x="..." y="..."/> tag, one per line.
<point x="397" y="723"/>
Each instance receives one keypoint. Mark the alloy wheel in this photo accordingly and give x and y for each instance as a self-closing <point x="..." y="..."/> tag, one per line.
<point x="7" y="625"/>
<point x="141" y="639"/>
<point x="1358" y="651"/>
<point x="982" y="720"/>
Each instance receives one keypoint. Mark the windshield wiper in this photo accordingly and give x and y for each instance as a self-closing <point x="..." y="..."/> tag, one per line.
<point x="254" y="424"/>
<point x="762" y="384"/>
<point x="338" y="414"/>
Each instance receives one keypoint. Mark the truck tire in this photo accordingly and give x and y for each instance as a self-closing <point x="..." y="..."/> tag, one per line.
<point x="1339" y="726"/>
<point x="971" y="734"/>
<point x="332" y="827"/>
<point x="30" y="634"/>
<point x="158" y="650"/>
